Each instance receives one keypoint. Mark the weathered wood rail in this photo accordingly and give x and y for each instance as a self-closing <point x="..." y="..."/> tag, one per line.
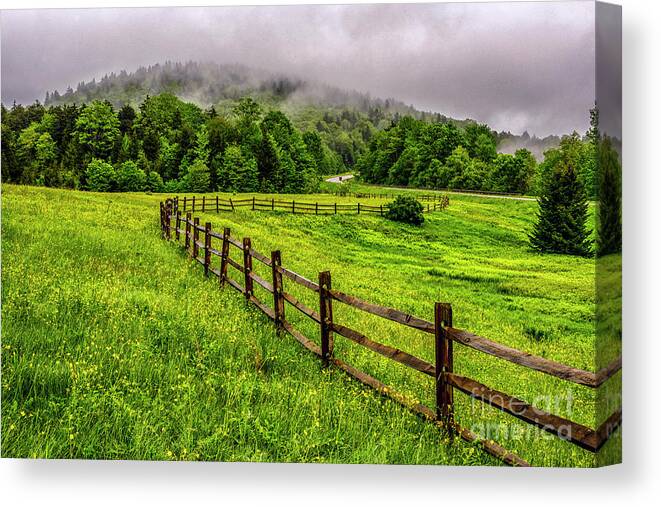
<point x="445" y="335"/>
<point x="216" y="204"/>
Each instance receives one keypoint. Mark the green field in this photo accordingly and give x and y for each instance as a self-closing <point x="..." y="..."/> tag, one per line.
<point x="115" y="346"/>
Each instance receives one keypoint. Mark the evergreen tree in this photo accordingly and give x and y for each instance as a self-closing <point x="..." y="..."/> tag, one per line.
<point x="609" y="213"/>
<point x="201" y="149"/>
<point x="11" y="169"/>
<point x="563" y="209"/>
<point x="154" y="182"/>
<point x="126" y="116"/>
<point x="315" y="147"/>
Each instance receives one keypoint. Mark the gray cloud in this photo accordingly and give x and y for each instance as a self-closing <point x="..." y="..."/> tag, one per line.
<point x="516" y="66"/>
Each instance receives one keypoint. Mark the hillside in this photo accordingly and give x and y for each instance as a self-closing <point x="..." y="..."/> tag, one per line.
<point x="220" y="85"/>
<point x="134" y="355"/>
<point x="121" y="350"/>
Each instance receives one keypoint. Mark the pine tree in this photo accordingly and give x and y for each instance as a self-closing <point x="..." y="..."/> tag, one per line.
<point x="609" y="215"/>
<point x="563" y="209"/>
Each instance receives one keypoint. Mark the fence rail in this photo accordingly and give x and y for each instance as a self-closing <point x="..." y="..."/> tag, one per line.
<point x="416" y="192"/>
<point x="445" y="335"/>
<point x="216" y="204"/>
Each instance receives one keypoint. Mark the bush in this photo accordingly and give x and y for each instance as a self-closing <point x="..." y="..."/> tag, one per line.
<point x="154" y="182"/>
<point x="173" y="186"/>
<point x="101" y="176"/>
<point x="130" y="178"/>
<point x="405" y="209"/>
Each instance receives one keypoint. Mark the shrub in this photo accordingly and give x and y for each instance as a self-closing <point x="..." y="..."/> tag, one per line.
<point x="154" y="182"/>
<point x="173" y="186"/>
<point x="405" y="209"/>
<point x="130" y="178"/>
<point x="101" y="176"/>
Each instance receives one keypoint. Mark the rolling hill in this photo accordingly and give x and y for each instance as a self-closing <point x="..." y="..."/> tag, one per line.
<point x="306" y="102"/>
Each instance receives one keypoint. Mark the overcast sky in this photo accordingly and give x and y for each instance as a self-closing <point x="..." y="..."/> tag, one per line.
<point x="516" y="66"/>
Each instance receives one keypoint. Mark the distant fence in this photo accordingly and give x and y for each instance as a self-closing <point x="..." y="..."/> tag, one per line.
<point x="390" y="195"/>
<point x="415" y="192"/>
<point x="205" y="203"/>
<point x="198" y="240"/>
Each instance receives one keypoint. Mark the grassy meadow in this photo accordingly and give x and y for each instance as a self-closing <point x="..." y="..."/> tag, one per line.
<point x="114" y="345"/>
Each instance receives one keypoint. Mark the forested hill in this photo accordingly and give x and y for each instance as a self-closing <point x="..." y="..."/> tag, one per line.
<point x="198" y="127"/>
<point x="220" y="85"/>
<point x="344" y="118"/>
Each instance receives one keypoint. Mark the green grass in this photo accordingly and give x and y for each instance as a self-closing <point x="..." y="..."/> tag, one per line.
<point x="115" y="346"/>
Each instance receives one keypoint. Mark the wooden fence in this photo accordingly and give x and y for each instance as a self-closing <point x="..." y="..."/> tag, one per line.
<point x="390" y="195"/>
<point x="216" y="204"/>
<point x="199" y="239"/>
<point x="415" y="192"/>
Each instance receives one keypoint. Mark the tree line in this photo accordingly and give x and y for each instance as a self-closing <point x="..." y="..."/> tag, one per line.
<point x="419" y="154"/>
<point x="444" y="155"/>
<point x="165" y="145"/>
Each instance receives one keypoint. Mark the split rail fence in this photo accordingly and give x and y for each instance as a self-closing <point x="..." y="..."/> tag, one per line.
<point x="413" y="191"/>
<point x="216" y="204"/>
<point x="387" y="195"/>
<point x="198" y="240"/>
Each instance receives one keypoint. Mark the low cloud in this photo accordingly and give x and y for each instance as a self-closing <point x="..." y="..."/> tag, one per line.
<point x="517" y="66"/>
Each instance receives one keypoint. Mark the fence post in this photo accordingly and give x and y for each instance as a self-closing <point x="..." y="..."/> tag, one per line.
<point x="253" y="203"/>
<point x="224" y="254"/>
<point x="293" y="207"/>
<point x="193" y="206"/>
<point x="359" y="208"/>
<point x="203" y="203"/>
<point x="177" y="226"/>
<point x="162" y="222"/>
<point x="217" y="207"/>
<point x="196" y="236"/>
<point x="187" y="244"/>
<point x="184" y="203"/>
<point x="272" y="204"/>
<point x="168" y="218"/>
<point x="278" y="298"/>
<point x="207" y="248"/>
<point x="336" y="208"/>
<point x="443" y="346"/>
<point x="381" y="209"/>
<point x="232" y="204"/>
<point x="326" y="316"/>
<point x="247" y="268"/>
<point x="316" y="208"/>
